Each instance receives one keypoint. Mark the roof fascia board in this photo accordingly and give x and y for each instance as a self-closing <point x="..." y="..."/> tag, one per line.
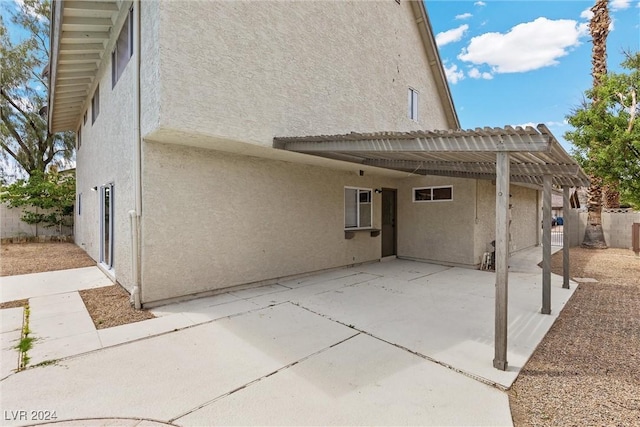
<point x="476" y="143"/>
<point x="481" y="167"/>
<point x="433" y="56"/>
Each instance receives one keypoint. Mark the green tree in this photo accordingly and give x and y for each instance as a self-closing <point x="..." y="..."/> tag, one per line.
<point x="46" y="199"/>
<point x="606" y="135"/>
<point x="25" y="140"/>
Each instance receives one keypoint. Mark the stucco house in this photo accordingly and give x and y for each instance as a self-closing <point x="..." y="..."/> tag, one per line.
<point x="222" y="144"/>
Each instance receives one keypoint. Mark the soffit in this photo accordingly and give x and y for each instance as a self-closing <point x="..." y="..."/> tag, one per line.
<point x="82" y="36"/>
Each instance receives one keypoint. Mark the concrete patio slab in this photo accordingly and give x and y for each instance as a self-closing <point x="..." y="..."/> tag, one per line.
<point x="46" y="350"/>
<point x="51" y="282"/>
<point x="134" y="331"/>
<point x="361" y="381"/>
<point x="207" y="309"/>
<point x="9" y="356"/>
<point x="60" y="325"/>
<point x="167" y="376"/>
<point x="11" y="319"/>
<point x="448" y="316"/>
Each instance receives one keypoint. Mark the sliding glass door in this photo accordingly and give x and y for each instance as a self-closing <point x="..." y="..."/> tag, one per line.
<point x="106" y="225"/>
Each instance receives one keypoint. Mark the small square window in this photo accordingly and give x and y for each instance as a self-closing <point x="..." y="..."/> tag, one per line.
<point x="433" y="194"/>
<point x="413" y="104"/>
<point x="95" y="105"/>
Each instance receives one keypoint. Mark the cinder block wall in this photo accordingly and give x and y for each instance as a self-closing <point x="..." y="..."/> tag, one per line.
<point x="616" y="227"/>
<point x="12" y="226"/>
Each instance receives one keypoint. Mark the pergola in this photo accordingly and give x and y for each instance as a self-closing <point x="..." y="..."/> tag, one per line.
<point x="520" y="155"/>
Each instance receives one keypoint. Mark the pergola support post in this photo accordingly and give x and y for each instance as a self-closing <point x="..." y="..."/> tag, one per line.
<point x="502" y="259"/>
<point x="566" y="206"/>
<point x="546" y="244"/>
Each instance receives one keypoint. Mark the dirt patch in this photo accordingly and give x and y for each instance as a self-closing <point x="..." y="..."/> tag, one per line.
<point x="25" y="258"/>
<point x="585" y="371"/>
<point x="109" y="306"/>
<point x="14" y="304"/>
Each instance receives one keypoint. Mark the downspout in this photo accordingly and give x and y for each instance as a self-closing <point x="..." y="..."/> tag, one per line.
<point x="135" y="215"/>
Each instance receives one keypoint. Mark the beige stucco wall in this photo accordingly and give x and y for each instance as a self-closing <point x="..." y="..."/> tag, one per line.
<point x="524" y="218"/>
<point x="215" y="220"/>
<point x="106" y="156"/>
<point x="437" y="231"/>
<point x="249" y="71"/>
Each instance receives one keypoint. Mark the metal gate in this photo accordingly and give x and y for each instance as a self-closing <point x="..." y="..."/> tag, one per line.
<point x="556" y="235"/>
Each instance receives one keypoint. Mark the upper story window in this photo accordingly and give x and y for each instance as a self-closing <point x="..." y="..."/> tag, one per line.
<point x="95" y="105"/>
<point x="358" y="208"/>
<point x="123" y="49"/>
<point x="433" y="194"/>
<point x="79" y="138"/>
<point x="413" y="104"/>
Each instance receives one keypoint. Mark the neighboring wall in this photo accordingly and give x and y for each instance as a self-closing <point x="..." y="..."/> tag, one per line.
<point x="616" y="227"/>
<point x="12" y="226"/>
<point x="249" y="71"/>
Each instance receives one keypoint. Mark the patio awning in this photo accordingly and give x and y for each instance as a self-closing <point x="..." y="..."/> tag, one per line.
<point x="521" y="155"/>
<point x="533" y="153"/>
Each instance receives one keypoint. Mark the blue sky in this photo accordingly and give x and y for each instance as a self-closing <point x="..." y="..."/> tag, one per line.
<point x="524" y="62"/>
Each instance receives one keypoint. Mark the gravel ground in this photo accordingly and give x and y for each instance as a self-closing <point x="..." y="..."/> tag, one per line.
<point x="108" y="306"/>
<point x="586" y="371"/>
<point x="25" y="258"/>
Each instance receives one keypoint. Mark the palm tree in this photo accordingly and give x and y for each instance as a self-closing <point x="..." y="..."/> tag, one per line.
<point x="599" y="29"/>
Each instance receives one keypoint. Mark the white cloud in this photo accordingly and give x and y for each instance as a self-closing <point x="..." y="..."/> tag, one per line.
<point x="453" y="74"/>
<point x="527" y="46"/>
<point x="451" y="36"/>
<point x="586" y="14"/>
<point x="474" y="73"/>
<point x="30" y="10"/>
<point x="524" y="125"/>
<point x="479" y="3"/>
<point x="619" y="4"/>
<point x="464" y="16"/>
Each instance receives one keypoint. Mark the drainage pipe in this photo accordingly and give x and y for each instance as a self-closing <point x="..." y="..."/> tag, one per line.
<point x="135" y="215"/>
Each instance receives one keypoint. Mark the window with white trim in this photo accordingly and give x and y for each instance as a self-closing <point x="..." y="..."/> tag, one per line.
<point x="413" y="104"/>
<point x="123" y="50"/>
<point x="95" y="105"/>
<point x="79" y="138"/>
<point x="358" y="208"/>
<point x="433" y="194"/>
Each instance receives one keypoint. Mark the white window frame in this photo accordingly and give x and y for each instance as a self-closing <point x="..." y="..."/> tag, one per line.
<point x="119" y="57"/>
<point x="358" y="207"/>
<point x="95" y="105"/>
<point x="413" y="194"/>
<point x="106" y="251"/>
<point x="413" y="104"/>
